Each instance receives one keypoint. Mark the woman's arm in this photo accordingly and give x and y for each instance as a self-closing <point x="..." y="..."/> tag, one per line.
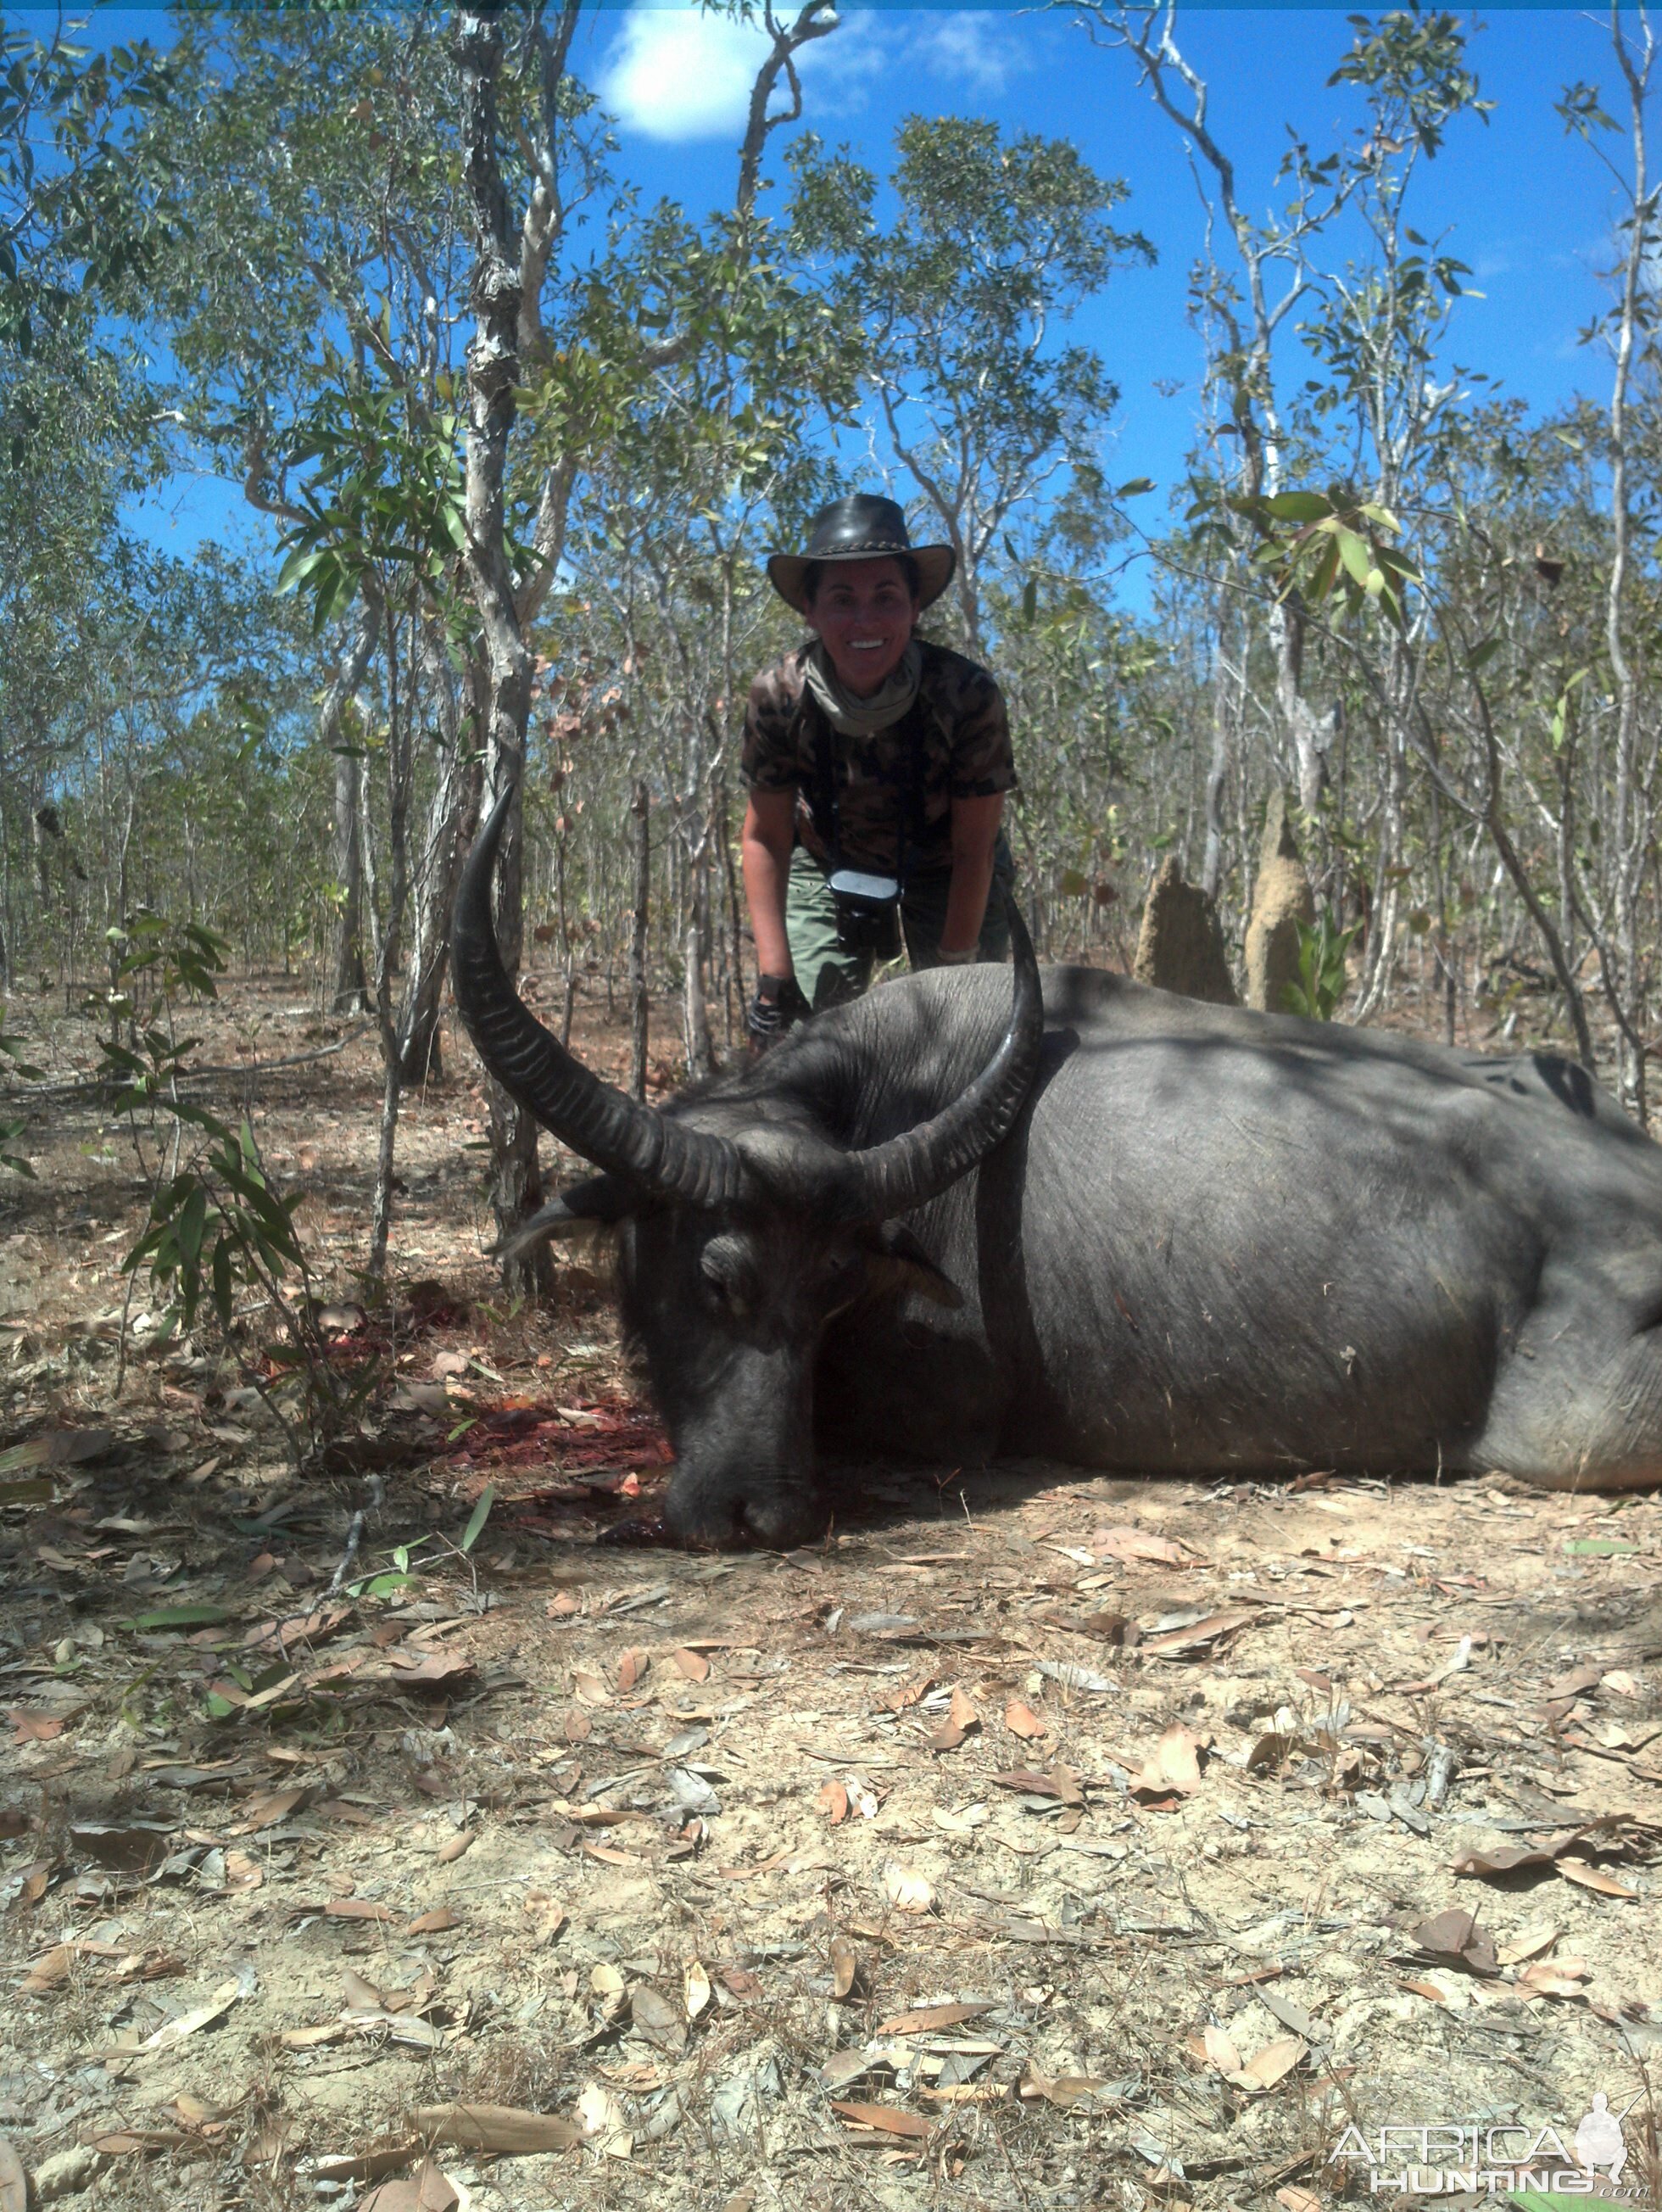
<point x="765" y="850"/>
<point x="975" y="823"/>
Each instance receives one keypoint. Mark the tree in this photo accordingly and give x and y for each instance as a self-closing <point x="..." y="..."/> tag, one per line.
<point x="994" y="244"/>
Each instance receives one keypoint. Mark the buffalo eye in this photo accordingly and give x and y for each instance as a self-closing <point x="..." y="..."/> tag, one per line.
<point x="843" y="1281"/>
<point x="727" y="1270"/>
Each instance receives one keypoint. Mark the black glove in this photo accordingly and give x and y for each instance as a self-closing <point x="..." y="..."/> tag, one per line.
<point x="778" y="1003"/>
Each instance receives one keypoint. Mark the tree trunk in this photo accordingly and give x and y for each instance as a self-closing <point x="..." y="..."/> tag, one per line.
<point x="348" y="989"/>
<point x="643" y="889"/>
<point x="493" y="374"/>
<point x="453" y="817"/>
<point x="700" y="1054"/>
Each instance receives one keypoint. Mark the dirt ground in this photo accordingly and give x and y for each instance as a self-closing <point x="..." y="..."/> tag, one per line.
<point x="1039" y="1840"/>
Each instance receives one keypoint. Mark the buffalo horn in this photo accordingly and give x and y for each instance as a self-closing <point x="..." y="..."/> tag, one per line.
<point x="660" y="1157"/>
<point x="907" y="1172"/>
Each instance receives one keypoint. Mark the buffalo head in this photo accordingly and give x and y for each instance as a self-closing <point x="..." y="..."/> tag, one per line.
<point x="745" y="1224"/>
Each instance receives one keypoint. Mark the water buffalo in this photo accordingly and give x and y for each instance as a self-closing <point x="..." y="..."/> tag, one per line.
<point x="1084" y="1218"/>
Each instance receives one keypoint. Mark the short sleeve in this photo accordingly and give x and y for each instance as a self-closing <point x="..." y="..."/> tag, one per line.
<point x="769" y="760"/>
<point x="983" y="763"/>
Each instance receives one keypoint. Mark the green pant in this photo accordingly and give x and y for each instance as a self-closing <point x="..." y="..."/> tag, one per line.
<point x="826" y="975"/>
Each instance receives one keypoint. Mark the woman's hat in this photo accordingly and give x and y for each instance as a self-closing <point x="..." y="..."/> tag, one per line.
<point x="861" y="528"/>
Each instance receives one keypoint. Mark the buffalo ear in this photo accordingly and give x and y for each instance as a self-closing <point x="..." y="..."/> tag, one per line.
<point x="899" y="1263"/>
<point x="581" y="1209"/>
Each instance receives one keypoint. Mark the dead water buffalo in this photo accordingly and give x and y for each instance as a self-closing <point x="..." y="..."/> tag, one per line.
<point x="1091" y="1221"/>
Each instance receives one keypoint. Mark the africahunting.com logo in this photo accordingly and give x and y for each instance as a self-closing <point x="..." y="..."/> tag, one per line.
<point x="1448" y="2158"/>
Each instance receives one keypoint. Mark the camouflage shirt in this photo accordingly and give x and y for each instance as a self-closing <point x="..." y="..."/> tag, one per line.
<point x="952" y="742"/>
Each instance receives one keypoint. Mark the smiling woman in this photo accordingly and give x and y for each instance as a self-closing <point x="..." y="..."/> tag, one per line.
<point x="878" y="766"/>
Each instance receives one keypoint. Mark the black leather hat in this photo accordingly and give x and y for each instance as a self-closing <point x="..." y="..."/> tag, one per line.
<point x="861" y="528"/>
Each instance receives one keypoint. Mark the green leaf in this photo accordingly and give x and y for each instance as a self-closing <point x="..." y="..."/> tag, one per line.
<point x="183" y="1616"/>
<point x="1481" y="655"/>
<point x="1598" y="1547"/>
<point x="1353" y="551"/>
<point x="1299" y="507"/>
<point x="385" y="1585"/>
<point x="1130" y="491"/>
<point x="477" y="1519"/>
<point x="38" y="1493"/>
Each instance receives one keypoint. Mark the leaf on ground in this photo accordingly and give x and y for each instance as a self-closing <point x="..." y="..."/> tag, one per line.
<point x="693" y="1664"/>
<point x="1274" y="2061"/>
<point x="1218" y="2049"/>
<point x="371" y="2165"/>
<point x="49" y="1971"/>
<point x="1292" y="2198"/>
<point x="905" y="1888"/>
<point x="589" y="1687"/>
<point x="1021" y="1720"/>
<point x="1061" y="1782"/>
<point x="1454" y="1938"/>
<point x="926" y="2018"/>
<point x="1528" y="1943"/>
<point x="34" y="1727"/>
<point x="658" y="2018"/>
<point x="430" y="1671"/>
<point x="630" y="1669"/>
<point x="429" y="2191"/>
<point x="60" y="1448"/>
<point x="1138" y="1546"/>
<point x="844" y="1967"/>
<point x="453" y="1846"/>
<point x="182" y="1616"/>
<point x="695" y="1989"/>
<point x="1072" y="1676"/>
<point x="1062" y="2090"/>
<point x="961" y="1716"/>
<point x="358" y="1908"/>
<point x="510" y="2130"/>
<point x="1595" y="1879"/>
<point x="433" y="1923"/>
<point x="174" y="2032"/>
<point x="361" y="1995"/>
<point x="269" y="1807"/>
<point x="1173" y="1765"/>
<point x="843" y="2067"/>
<point x="833" y="1801"/>
<point x="14" y="2183"/>
<point x="888" y="2119"/>
<point x="282" y="1636"/>
<point x="1176" y="1642"/>
<point x="1494" y="1862"/>
<point x="958" y="1821"/>
<point x="1554" y="1978"/>
<point x="604" y="2126"/>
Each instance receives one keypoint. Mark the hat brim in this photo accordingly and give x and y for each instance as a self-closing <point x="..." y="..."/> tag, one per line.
<point x="786" y="571"/>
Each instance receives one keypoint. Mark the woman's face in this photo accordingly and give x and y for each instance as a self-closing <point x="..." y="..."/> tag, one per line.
<point x="863" y="613"/>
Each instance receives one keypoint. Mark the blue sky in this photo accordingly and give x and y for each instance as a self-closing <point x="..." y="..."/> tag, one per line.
<point x="1529" y="209"/>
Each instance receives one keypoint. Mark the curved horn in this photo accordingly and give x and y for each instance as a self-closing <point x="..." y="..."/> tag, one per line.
<point x="907" y="1172"/>
<point x="658" y="1155"/>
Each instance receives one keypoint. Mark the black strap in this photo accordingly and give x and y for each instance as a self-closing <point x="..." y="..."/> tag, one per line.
<point x="909" y="814"/>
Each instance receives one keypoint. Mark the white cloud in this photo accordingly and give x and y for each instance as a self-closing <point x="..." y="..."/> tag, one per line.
<point x="675" y="73"/>
<point x="973" y="52"/>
